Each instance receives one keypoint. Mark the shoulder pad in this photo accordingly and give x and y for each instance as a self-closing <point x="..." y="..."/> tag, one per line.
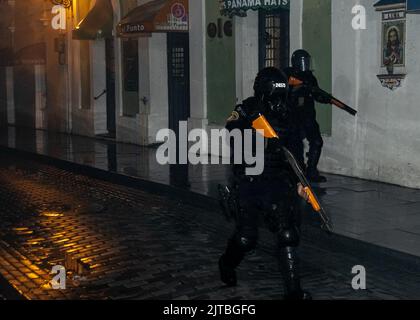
<point x="250" y="104"/>
<point x="312" y="79"/>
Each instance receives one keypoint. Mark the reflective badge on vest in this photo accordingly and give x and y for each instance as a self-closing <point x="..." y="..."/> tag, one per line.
<point x="280" y="85"/>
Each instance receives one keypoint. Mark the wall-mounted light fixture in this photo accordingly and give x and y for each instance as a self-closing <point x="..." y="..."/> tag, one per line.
<point x="65" y="3"/>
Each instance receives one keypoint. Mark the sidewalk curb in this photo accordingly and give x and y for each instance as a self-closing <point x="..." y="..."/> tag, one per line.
<point x="335" y="242"/>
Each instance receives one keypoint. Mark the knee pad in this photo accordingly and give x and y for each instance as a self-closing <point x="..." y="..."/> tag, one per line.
<point x="288" y="237"/>
<point x="320" y="143"/>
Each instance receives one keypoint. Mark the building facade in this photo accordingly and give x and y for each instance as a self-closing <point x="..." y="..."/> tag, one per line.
<point x="382" y="142"/>
<point x="124" y="69"/>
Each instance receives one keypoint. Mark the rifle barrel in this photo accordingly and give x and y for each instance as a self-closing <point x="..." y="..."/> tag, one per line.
<point x="343" y="106"/>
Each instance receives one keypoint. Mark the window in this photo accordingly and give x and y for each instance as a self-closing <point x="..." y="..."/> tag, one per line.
<point x="274" y="39"/>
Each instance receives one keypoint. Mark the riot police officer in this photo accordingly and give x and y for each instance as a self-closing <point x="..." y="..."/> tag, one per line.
<point x="273" y="195"/>
<point x="303" y="98"/>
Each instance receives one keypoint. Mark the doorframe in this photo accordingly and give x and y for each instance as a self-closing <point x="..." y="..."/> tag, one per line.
<point x="25" y="115"/>
<point x="3" y="97"/>
<point x="111" y="92"/>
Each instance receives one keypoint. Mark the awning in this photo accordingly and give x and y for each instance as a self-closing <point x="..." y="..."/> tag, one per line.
<point x="413" y="6"/>
<point x="31" y="55"/>
<point x="389" y="4"/>
<point x="155" y="16"/>
<point x="98" y="23"/>
<point x="240" y="7"/>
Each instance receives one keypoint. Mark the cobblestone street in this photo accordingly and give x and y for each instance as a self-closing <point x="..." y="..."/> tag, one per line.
<point x="118" y="242"/>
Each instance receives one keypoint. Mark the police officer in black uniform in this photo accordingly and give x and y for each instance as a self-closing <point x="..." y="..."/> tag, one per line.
<point x="303" y="98"/>
<point x="274" y="195"/>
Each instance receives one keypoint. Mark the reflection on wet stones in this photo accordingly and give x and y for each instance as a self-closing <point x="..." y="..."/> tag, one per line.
<point x="90" y="208"/>
<point x="22" y="231"/>
<point x="51" y="214"/>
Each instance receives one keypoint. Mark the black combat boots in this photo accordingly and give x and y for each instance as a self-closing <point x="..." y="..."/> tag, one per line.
<point x="289" y="265"/>
<point x="227" y="272"/>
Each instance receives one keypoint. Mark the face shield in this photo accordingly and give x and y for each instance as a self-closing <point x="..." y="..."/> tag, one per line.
<point x="302" y="61"/>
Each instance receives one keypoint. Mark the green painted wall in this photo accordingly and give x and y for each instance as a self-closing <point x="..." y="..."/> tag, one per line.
<point x="221" y="87"/>
<point x="317" y="40"/>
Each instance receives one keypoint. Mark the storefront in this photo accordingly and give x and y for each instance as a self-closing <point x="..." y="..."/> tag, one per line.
<point x="262" y="39"/>
<point x="241" y="38"/>
<point x="155" y="65"/>
<point x="129" y="68"/>
<point x="273" y="28"/>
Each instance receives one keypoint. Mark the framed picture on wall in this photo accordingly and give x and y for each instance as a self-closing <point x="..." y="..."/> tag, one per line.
<point x="393" y="43"/>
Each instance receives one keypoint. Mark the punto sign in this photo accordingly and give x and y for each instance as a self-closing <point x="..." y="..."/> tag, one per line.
<point x="155" y="16"/>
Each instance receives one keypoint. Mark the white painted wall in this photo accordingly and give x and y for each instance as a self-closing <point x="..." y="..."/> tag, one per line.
<point x="198" y="69"/>
<point x="98" y="81"/>
<point x="246" y="54"/>
<point x="383" y="142"/>
<point x="153" y="93"/>
<point x="296" y="35"/>
<point x="158" y="111"/>
<point x="82" y="120"/>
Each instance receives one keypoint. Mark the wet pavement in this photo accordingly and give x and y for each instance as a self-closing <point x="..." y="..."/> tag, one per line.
<point x="373" y="212"/>
<point x="118" y="242"/>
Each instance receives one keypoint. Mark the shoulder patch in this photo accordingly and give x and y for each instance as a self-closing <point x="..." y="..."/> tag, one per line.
<point x="233" y="117"/>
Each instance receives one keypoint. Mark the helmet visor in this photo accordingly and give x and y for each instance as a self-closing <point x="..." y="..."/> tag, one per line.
<point x="304" y="64"/>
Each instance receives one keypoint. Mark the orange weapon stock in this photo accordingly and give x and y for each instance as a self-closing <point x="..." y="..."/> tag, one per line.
<point x="261" y="123"/>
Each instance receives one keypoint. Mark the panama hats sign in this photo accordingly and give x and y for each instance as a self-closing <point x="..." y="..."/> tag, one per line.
<point x="239" y="7"/>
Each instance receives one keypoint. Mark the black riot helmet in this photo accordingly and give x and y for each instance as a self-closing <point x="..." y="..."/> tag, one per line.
<point x="271" y="87"/>
<point x="301" y="60"/>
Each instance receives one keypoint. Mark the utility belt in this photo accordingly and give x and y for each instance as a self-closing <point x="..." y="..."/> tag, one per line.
<point x="229" y="202"/>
